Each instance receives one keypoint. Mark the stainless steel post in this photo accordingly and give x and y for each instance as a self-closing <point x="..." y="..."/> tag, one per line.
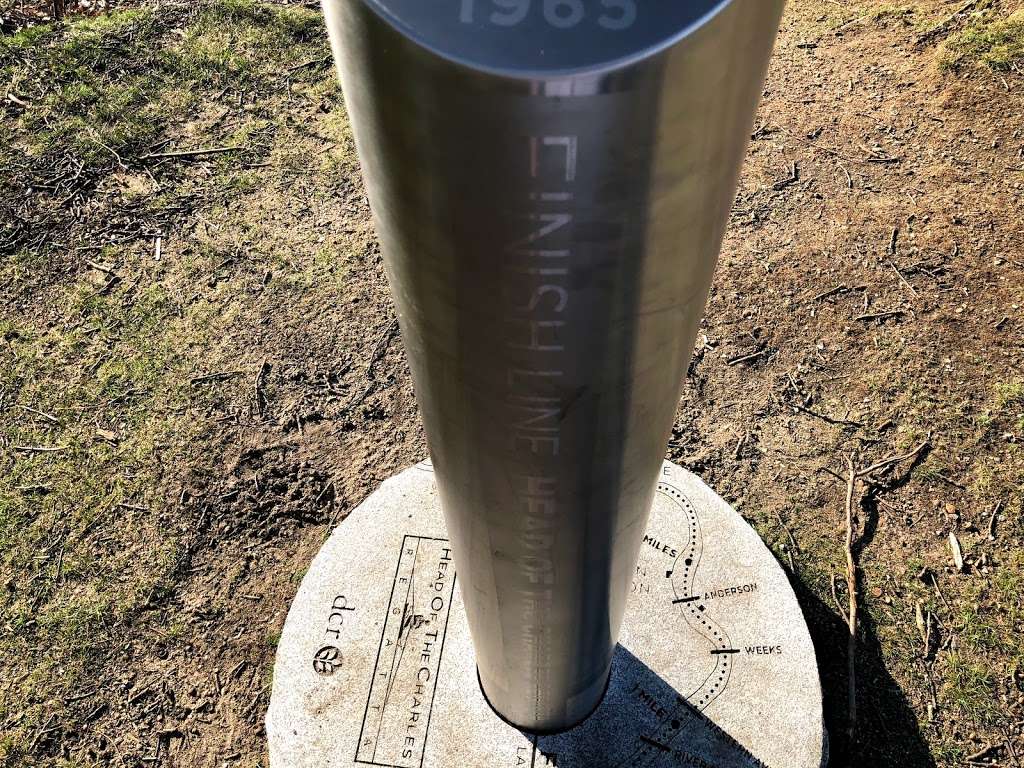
<point x="550" y="181"/>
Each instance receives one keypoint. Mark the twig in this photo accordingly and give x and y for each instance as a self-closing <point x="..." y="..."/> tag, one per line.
<point x="789" y="533"/>
<point x="793" y="178"/>
<point x="828" y="150"/>
<point x="739" y="446"/>
<point x="853" y="475"/>
<point x="851" y="586"/>
<point x="829" y="419"/>
<point x="833" y="292"/>
<point x="924" y="628"/>
<point x="993" y="520"/>
<point x="40" y="448"/>
<point x="192" y="152"/>
<point x="884" y="159"/>
<point x="902" y="278"/>
<point x="257" y="387"/>
<point x="839" y="604"/>
<point x="327" y="492"/>
<point x="832" y="472"/>
<point x="102" y="268"/>
<point x="881" y="315"/>
<point x="745" y="358"/>
<point x="951" y="481"/>
<point x="1010" y="749"/>
<point x="849" y="178"/>
<point x="928" y="636"/>
<point x="382" y="346"/>
<point x="886" y="463"/>
<point x="90" y="135"/>
<point x="310" y="63"/>
<point x="48" y="417"/>
<point x="981" y="753"/>
<point x="220" y="376"/>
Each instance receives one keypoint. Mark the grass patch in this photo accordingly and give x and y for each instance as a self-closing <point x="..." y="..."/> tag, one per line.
<point x="104" y="88"/>
<point x="897" y="11"/>
<point x="1009" y="394"/>
<point x="989" y="39"/>
<point x="969" y="690"/>
<point x="100" y="369"/>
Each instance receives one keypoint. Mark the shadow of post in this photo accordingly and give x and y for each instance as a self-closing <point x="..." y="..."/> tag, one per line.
<point x="643" y="722"/>
<point x="887" y="733"/>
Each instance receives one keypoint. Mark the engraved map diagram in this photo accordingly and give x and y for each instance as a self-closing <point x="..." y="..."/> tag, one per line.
<point x="715" y="666"/>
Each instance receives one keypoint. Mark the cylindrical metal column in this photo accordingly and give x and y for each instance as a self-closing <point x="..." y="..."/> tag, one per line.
<point x="550" y="181"/>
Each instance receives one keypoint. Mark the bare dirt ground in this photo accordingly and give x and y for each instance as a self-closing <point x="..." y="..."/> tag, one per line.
<point x="200" y="372"/>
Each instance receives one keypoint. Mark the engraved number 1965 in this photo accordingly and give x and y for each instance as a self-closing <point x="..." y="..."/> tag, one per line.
<point x="563" y="14"/>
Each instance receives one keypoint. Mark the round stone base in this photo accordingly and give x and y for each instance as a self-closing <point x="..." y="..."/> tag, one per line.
<point x="714" y="668"/>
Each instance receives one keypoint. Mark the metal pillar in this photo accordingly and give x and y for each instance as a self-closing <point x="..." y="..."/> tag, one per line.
<point x="550" y="181"/>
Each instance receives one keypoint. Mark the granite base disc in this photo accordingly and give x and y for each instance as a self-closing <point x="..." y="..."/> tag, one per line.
<point x="714" y="668"/>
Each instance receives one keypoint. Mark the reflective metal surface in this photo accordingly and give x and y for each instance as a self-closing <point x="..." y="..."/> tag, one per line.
<point x="550" y="233"/>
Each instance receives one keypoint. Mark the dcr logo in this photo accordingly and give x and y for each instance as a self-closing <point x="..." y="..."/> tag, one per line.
<point x="327" y="660"/>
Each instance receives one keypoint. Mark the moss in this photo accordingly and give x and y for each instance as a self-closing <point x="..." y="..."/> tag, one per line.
<point x="990" y="40"/>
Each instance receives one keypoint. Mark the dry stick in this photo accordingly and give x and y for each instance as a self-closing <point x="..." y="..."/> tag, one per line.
<point x="842" y="288"/>
<point x="829" y="419"/>
<point x="192" y="152"/>
<point x="835" y="598"/>
<point x="993" y="520"/>
<point x="792" y="539"/>
<point x="851" y="587"/>
<point x="826" y="150"/>
<point x="833" y="292"/>
<point x="886" y="463"/>
<point x="902" y="278"/>
<point x="1009" y="748"/>
<point x="853" y="475"/>
<point x="102" y="268"/>
<point x="950" y="481"/>
<point x="382" y="345"/>
<point x="39" y="448"/>
<point x="48" y="417"/>
<point x="310" y="63"/>
<point x="881" y="315"/>
<point x="745" y="358"/>
<point x="218" y="376"/>
<point x="977" y="756"/>
<point x="793" y="178"/>
<point x="849" y="178"/>
<point x="257" y="387"/>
